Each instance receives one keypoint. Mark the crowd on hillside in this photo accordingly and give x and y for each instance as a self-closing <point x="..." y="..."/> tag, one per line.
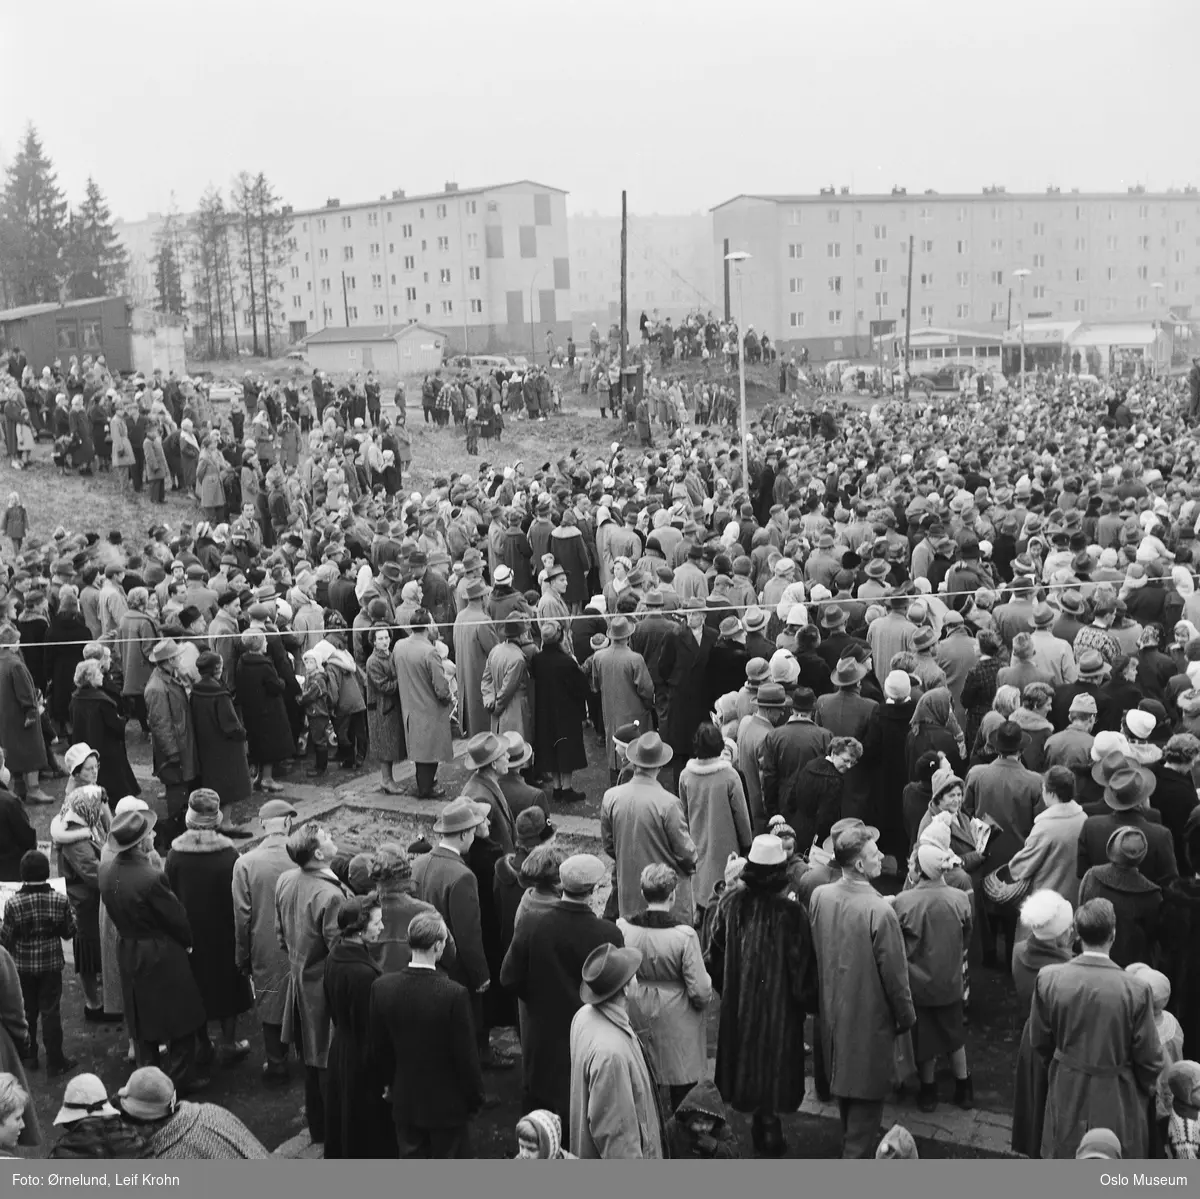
<point x="906" y="705"/>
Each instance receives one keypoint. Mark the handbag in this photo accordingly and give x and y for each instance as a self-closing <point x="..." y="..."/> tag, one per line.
<point x="1001" y="889"/>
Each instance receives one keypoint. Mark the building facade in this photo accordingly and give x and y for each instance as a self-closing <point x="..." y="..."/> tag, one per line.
<point x="669" y="263"/>
<point x="487" y="267"/>
<point x="830" y="271"/>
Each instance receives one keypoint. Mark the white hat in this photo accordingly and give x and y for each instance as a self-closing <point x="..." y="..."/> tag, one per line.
<point x="1141" y="724"/>
<point x="77" y="755"/>
<point x="130" y="803"/>
<point x="504" y="576"/>
<point x="767" y="850"/>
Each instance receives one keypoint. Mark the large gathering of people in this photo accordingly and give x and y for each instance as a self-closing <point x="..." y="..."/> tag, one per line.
<point x="903" y="708"/>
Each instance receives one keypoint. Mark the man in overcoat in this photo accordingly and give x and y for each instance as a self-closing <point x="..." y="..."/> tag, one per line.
<point x="425" y="703"/>
<point x="620" y="675"/>
<point x="683" y="666"/>
<point x="474" y="639"/>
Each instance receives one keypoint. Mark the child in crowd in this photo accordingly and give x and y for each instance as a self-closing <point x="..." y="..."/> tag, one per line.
<point x="37" y="919"/>
<point x="539" y="1137"/>
<point x="317" y="701"/>
<point x="15" y="522"/>
<point x="699" y="1129"/>
<point x="1183" y="1122"/>
<point x="472" y="422"/>
<point x="1170" y="1036"/>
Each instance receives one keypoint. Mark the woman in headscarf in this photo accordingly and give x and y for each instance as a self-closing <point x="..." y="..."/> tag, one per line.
<point x="934" y="728"/>
<point x="78" y="834"/>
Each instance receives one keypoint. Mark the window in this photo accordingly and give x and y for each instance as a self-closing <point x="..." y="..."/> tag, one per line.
<point x="796" y="287"/>
<point x="324" y="284"/>
<point x="443" y="245"/>
<point x="1111" y="273"/>
<point x="1143" y="272"/>
<point x="1039" y="291"/>
<point x="1143" y="212"/>
<point x="308" y="286"/>
<point x="796" y="250"/>
<point x="321" y="225"/>
<point x="796" y="320"/>
<point x="1143" y="243"/>
<point x="833" y="250"/>
<point x="389" y="218"/>
<point x="353" y="314"/>
<point x="926" y="246"/>
<point x="443" y="276"/>
<point x="1081" y="243"/>
<point x="962" y="246"/>
<point x="421" y="217"/>
<point x="406" y="231"/>
<point x="858" y="283"/>
<point x="794" y="216"/>
<point x="835" y="316"/>
<point x="881" y="233"/>
<point x="1141" y="303"/>
<point x="345" y="222"/>
<point x="926" y="279"/>
<point x="927" y="313"/>
<point x="347" y="253"/>
<point x="373" y="219"/>
<point x="1080" y="305"/>
<point x="90" y="331"/>
<point x="962" y="312"/>
<point x="834" y="216"/>
<point x="376" y="281"/>
<point x="472" y="241"/>
<point x="322" y="255"/>
<point x="473" y="274"/>
<point x="305" y="255"/>
<point x="858" y="250"/>
<point x="303" y="226"/>
<point x="963" y="278"/>
<point x="374" y="249"/>
<point x="410" y="293"/>
<point x="881" y="266"/>
<point x="428" y="307"/>
<point x="378" y="310"/>
<point x="1080" y="274"/>
<point x="470" y="207"/>
<point x="997" y="245"/>
<point x="424" y="276"/>
<point x="835" y="284"/>
<point x="424" y="245"/>
<point x="351" y="282"/>
<point x="477" y="306"/>
<point x="441" y="212"/>
<point x="447" y="307"/>
<point x="395" y="307"/>
<point x="997" y="278"/>
<point x="1078" y="212"/>
<point x="1039" y="228"/>
<point x="1039" y="261"/>
<point x="295" y="272"/>
<point x="881" y="299"/>
<point x="409" y="262"/>
<point x="1178" y="257"/>
<point x="1110" y="304"/>
<point x="1110" y="243"/>
<point x="961" y="215"/>
<point x="998" y="310"/>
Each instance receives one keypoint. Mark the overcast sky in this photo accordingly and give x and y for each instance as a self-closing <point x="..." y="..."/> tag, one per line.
<point x="685" y="105"/>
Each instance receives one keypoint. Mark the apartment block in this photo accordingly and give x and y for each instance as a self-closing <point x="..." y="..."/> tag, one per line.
<point x="828" y="271"/>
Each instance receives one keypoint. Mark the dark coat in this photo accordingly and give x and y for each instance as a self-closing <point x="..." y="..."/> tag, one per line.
<point x="786" y="750"/>
<point x="727" y="667"/>
<point x="423" y="1041"/>
<point x="815" y="802"/>
<point x="61" y="660"/>
<point x="162" y="1001"/>
<point x="357" y="1120"/>
<point x="23" y="747"/>
<point x="260" y="694"/>
<point x="1158" y="866"/>
<point x="1138" y="905"/>
<point x="763" y="966"/>
<point x="17" y="836"/>
<point x="559" y="710"/>
<point x="96" y="1139"/>
<point x="96" y="719"/>
<point x="543" y="967"/>
<point x="444" y="880"/>
<point x="199" y="868"/>
<point x="1174" y="799"/>
<point x="891" y="765"/>
<point x="926" y="738"/>
<point x="1181" y="954"/>
<point x="514" y="552"/>
<point x="220" y="741"/>
<point x="684" y="668"/>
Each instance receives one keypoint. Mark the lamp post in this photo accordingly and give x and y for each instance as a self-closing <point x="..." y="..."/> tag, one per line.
<point x="532" y="330"/>
<point x="737" y="257"/>
<point x="1021" y="273"/>
<point x="1158" y="299"/>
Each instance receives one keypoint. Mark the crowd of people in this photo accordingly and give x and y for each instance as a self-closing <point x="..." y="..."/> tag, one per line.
<point x="908" y="702"/>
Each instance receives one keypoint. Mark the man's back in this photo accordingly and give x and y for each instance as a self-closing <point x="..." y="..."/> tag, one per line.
<point x="445" y="880"/>
<point x="1005" y="791"/>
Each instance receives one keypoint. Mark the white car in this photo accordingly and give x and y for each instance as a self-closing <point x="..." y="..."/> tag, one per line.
<point x="220" y="392"/>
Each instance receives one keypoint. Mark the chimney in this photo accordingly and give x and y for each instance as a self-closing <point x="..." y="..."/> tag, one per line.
<point x="845" y="191"/>
<point x="287" y="210"/>
<point x="451" y="187"/>
<point x="398" y="194"/>
<point x="333" y="203"/>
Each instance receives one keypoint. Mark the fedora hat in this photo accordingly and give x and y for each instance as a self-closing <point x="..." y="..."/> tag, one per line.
<point x="620" y="628"/>
<point x="1129" y="787"/>
<point x="649" y="751"/>
<point x="520" y="752"/>
<point x="607" y="969"/>
<point x="825" y="541"/>
<point x="1010" y="738"/>
<point x="1071" y="601"/>
<point x="485" y="748"/>
<point x="772" y="695"/>
<point x="1108" y="765"/>
<point x="754" y="619"/>
<point x="848" y="672"/>
<point x="924" y="638"/>
<point x="1091" y="664"/>
<point x="834" y="616"/>
<point x="475" y="589"/>
<point x="460" y="815"/>
<point x="129" y="828"/>
<point x="1043" y="616"/>
<point x="877" y="569"/>
<point x="164" y="651"/>
<point x="758" y="671"/>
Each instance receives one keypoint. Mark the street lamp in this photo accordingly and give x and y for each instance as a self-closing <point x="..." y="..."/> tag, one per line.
<point x="737" y="257"/>
<point x="1021" y="273"/>
<point x="1158" y="299"/>
<point x="532" y="330"/>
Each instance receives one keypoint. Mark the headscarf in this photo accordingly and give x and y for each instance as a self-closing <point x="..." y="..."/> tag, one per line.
<point x="88" y="806"/>
<point x="1183" y="581"/>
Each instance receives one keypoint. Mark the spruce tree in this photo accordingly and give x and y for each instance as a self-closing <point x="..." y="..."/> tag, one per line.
<point x="33" y="227"/>
<point x="96" y="260"/>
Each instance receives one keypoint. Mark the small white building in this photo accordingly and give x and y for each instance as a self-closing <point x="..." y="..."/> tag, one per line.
<point x="387" y="350"/>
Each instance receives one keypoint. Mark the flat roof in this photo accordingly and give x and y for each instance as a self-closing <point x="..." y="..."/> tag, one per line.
<point x="953" y="197"/>
<point x="28" y="310"/>
<point x="323" y="209"/>
<point x="341" y="333"/>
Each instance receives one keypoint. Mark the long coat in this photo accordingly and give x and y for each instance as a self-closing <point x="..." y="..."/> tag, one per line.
<point x="13" y="1031"/>
<point x="671" y="992"/>
<point x="307" y="903"/>
<point x="846" y="714"/>
<point x="24" y="749"/>
<point x="571" y="553"/>
<point x="17" y="836"/>
<point x="474" y="639"/>
<point x="424" y="700"/>
<point x="559" y="710"/>
<point x="171" y="729"/>
<point x="762" y="963"/>
<point x="384" y="728"/>
<point x="1138" y="906"/>
<point x="865" y="996"/>
<point x="444" y="880"/>
<point x="161" y="999"/>
<point x="642" y="824"/>
<point x="256" y="874"/>
<point x="260" y="696"/>
<point x="626" y="691"/>
<point x="199" y="868"/>
<point x="220" y="741"/>
<point x="1095" y="1025"/>
<point x="96" y="719"/>
<point x="358" y="1122"/>
<point x="61" y="660"/>
<point x="718" y="818"/>
<point x="1181" y="953"/>
<point x="505" y="690"/>
<point x="683" y="666"/>
<point x="137" y="635"/>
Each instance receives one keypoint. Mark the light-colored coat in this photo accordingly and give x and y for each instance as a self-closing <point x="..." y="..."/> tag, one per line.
<point x="752" y="732"/>
<point x="1095" y="1024"/>
<point x="1054" y="657"/>
<point x="474" y="638"/>
<point x="307" y="903"/>
<point x="1049" y="858"/>
<point x="672" y="991"/>
<point x="626" y="690"/>
<point x="613" y="1111"/>
<point x="256" y="947"/>
<point x="714" y="805"/>
<point x="424" y="700"/>
<point x="171" y="728"/>
<point x="504" y="687"/>
<point x="641" y="824"/>
<point x="865" y="995"/>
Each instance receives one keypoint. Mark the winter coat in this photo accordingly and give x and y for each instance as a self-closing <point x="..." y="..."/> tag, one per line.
<point x="61" y="660"/>
<point x="20" y="726"/>
<point x="199" y="868"/>
<point x="171" y="726"/>
<point x="1033" y="756"/>
<point x="671" y="992"/>
<point x="17" y="836"/>
<point x="890" y="772"/>
<point x="260" y="693"/>
<point x="399" y="904"/>
<point x="570" y="552"/>
<point x="424" y="698"/>
<point x="82" y="449"/>
<point x="1138" y="906"/>
<point x="96" y="1138"/>
<point x="865" y="994"/>
<point x="14" y="1035"/>
<point x="718" y="819"/>
<point x="203" y="1132"/>
<point x="307" y="902"/>
<point x="559" y="710"/>
<point x="513" y="551"/>
<point x="256" y="947"/>
<point x="846" y="714"/>
<point x="504" y="687"/>
<point x="155" y="467"/>
<point x="385" y="729"/>
<point x="683" y="1143"/>
<point x="137" y="635"/>
<point x="96" y="720"/>
<point x="684" y="668"/>
<point x="161" y="999"/>
<point x="122" y="447"/>
<point x="626" y="690"/>
<point x="935" y="919"/>
<point x="220" y="741"/>
<point x="1049" y="858"/>
<point x="474" y="639"/>
<point x="210" y="489"/>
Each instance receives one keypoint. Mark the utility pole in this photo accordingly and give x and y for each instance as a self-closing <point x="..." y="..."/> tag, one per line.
<point x="908" y="314"/>
<point x="726" y="253"/>
<point x="624" y="287"/>
<point x="345" y="301"/>
<point x="1008" y="318"/>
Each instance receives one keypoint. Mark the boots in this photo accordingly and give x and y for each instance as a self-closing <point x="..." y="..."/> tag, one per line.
<point x="322" y="763"/>
<point x="927" y="1099"/>
<point x="964" y="1092"/>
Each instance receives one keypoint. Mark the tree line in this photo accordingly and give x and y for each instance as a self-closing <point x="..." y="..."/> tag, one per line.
<point x="214" y="267"/>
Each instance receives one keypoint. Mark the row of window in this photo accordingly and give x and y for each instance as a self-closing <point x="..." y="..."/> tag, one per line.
<point x="998" y="212"/>
<point x="378" y="311"/>
<point x="795" y="250"/>
<point x="375" y="249"/>
<point x="351" y="281"/>
<point x="470" y="207"/>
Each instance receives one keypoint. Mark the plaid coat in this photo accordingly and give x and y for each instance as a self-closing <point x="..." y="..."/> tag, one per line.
<point x="37" y="919"/>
